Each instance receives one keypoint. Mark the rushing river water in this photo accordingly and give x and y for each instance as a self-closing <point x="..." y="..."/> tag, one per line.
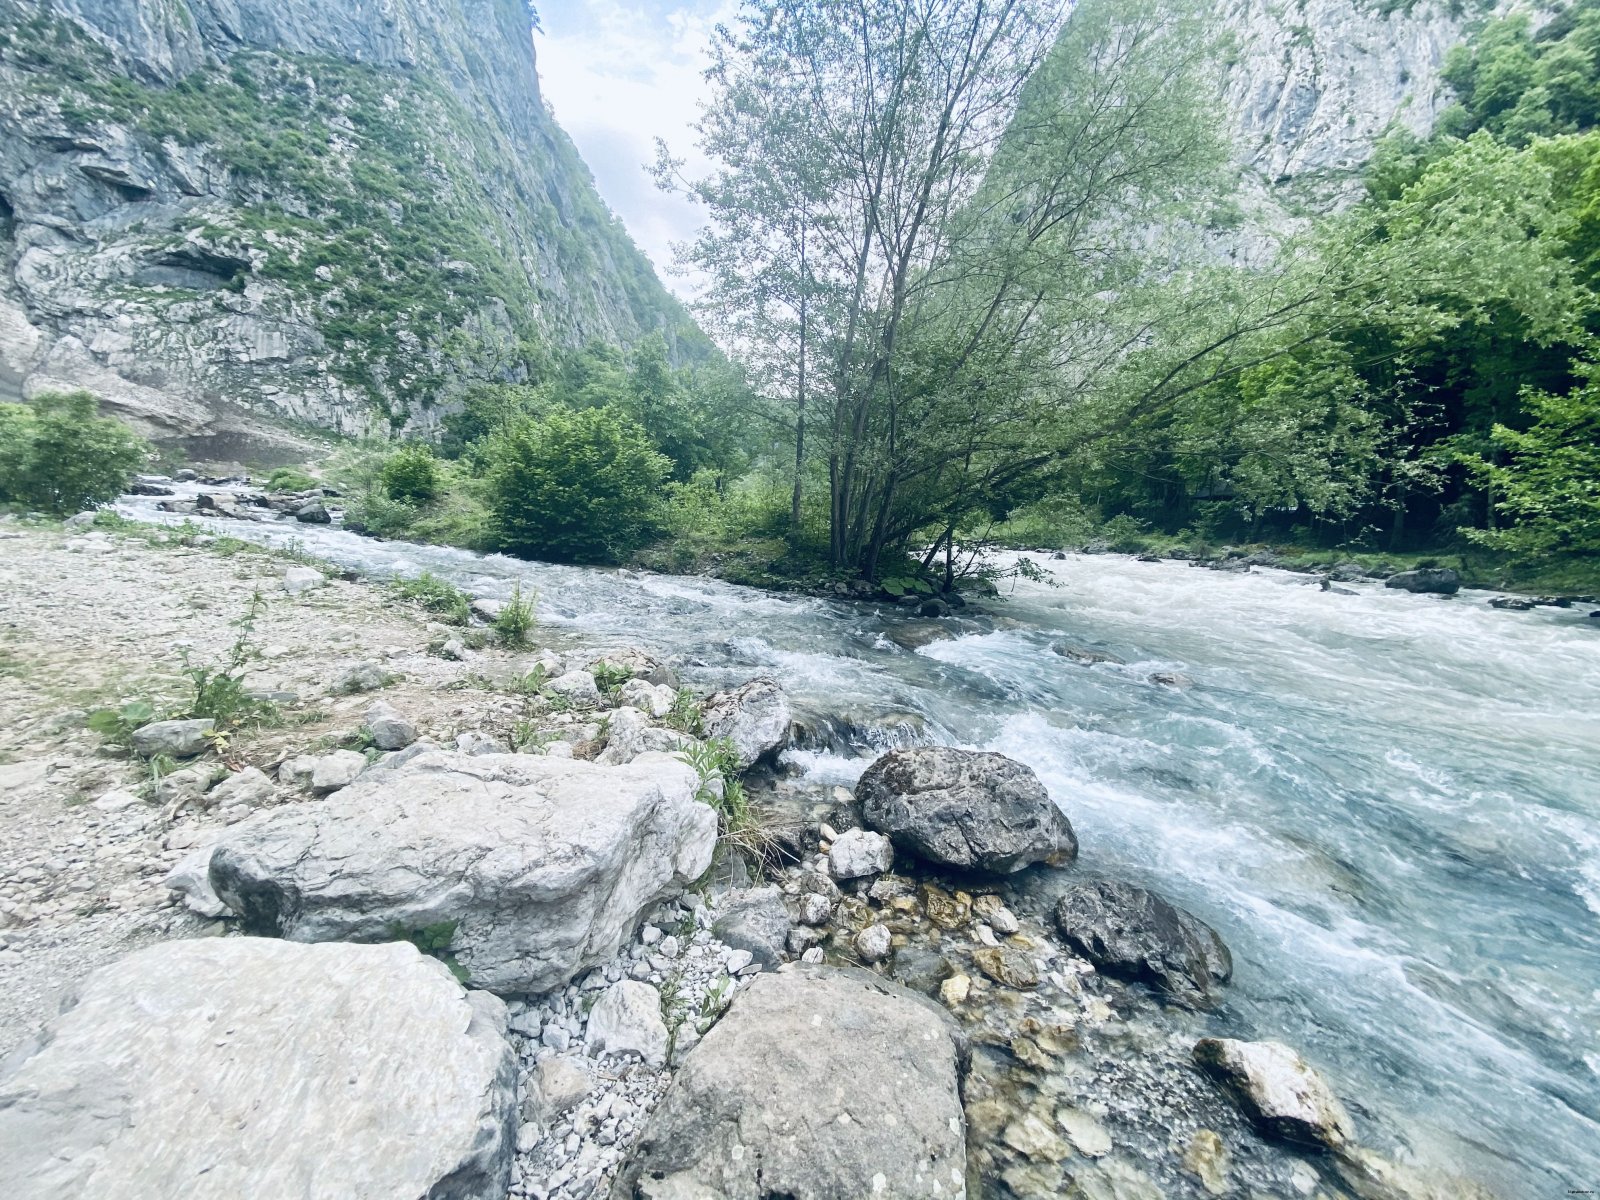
<point x="1389" y="805"/>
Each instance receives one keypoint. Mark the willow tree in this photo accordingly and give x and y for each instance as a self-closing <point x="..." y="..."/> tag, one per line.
<point x="932" y="218"/>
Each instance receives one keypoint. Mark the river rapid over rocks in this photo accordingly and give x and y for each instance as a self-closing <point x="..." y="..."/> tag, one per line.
<point x="1388" y="805"/>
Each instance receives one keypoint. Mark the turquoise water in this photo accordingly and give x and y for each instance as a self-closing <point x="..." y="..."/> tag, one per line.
<point x="1389" y="805"/>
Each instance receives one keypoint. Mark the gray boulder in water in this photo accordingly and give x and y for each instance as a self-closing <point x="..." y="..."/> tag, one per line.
<point x="820" y="1082"/>
<point x="1131" y="933"/>
<point x="538" y="867"/>
<point x="228" y="1067"/>
<point x="755" y="718"/>
<point x="1440" y="581"/>
<point x="965" y="809"/>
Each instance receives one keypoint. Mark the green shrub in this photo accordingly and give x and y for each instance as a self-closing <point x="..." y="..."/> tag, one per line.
<point x="574" y="486"/>
<point x="58" y="455"/>
<point x="437" y="596"/>
<point x="290" y="479"/>
<point x="411" y="475"/>
<point x="516" y="619"/>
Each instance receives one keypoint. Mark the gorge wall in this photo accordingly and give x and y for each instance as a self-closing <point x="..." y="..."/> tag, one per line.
<point x="229" y="217"/>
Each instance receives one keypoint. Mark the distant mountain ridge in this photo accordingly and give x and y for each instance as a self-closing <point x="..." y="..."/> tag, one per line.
<point x="225" y="216"/>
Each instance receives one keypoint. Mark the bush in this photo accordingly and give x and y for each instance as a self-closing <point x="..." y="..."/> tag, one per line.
<point x="290" y="479"/>
<point x="58" y="455"/>
<point x="574" y="487"/>
<point x="411" y="475"/>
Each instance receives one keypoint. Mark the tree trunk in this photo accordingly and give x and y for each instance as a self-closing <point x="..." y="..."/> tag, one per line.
<point x="800" y="394"/>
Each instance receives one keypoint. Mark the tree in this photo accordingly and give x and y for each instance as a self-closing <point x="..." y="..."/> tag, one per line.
<point x="574" y="486"/>
<point x="1551" y="484"/>
<point x="969" y="193"/>
<point x="57" y="454"/>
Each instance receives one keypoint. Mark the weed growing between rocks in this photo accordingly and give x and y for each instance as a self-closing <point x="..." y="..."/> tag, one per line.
<point x="434" y="940"/>
<point x="437" y="596"/>
<point x="116" y="725"/>
<point x="219" y="691"/>
<point x="517" y="618"/>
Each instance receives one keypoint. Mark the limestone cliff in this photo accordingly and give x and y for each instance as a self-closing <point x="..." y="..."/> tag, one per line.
<point x="229" y="216"/>
<point x="1313" y="84"/>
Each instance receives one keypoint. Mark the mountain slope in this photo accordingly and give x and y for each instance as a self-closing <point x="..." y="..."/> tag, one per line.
<point x="333" y="212"/>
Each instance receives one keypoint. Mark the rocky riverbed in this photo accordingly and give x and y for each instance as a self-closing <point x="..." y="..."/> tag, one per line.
<point x="901" y="988"/>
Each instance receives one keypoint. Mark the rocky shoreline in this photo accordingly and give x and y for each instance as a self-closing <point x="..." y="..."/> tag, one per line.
<point x="905" y="989"/>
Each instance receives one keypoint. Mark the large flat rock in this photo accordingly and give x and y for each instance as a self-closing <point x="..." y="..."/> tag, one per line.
<point x="246" y="1067"/>
<point x="821" y="1082"/>
<point x="542" y="866"/>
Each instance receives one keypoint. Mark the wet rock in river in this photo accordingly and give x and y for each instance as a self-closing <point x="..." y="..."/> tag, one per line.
<point x="1008" y="965"/>
<point x="1278" y="1090"/>
<point x="1082" y="654"/>
<point x="965" y="809"/>
<point x="1439" y="581"/>
<point x="1134" y="934"/>
<point x="754" y="718"/>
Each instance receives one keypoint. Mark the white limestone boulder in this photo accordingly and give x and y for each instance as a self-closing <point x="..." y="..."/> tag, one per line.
<point x="222" y="1068"/>
<point x="541" y="865"/>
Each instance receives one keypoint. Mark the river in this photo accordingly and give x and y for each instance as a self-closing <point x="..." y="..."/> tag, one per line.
<point x="1389" y="805"/>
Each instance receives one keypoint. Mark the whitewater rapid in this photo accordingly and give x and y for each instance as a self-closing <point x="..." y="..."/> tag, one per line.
<point x="1389" y="805"/>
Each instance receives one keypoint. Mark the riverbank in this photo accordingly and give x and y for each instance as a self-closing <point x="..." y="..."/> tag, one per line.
<point x="1075" y="1078"/>
<point x="1314" y="738"/>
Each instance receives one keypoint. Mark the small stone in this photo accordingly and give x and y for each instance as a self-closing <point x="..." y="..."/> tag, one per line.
<point x="302" y="579"/>
<point x="361" y="677"/>
<point x="556" y="1038"/>
<point x="176" y="739"/>
<point x="953" y="991"/>
<point x="1031" y="1137"/>
<point x="669" y="947"/>
<point x="249" y="787"/>
<point x="985" y="934"/>
<point x="1086" y="1134"/>
<point x="813" y="955"/>
<point x="815" y="908"/>
<point x="943" y="909"/>
<point x="736" y="961"/>
<point x="563" y="1084"/>
<point x="873" y="943"/>
<point x="649" y="935"/>
<point x="389" y="730"/>
<point x="116" y="801"/>
<point x="336" y="770"/>
<point x="858" y="852"/>
<point x="1007" y="965"/>
<point x="627" y="1020"/>
<point x="1206" y="1158"/>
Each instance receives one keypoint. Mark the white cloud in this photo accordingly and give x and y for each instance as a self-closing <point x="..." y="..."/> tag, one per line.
<point x="619" y="76"/>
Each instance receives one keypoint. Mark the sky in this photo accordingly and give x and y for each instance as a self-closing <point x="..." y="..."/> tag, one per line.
<point x="619" y="74"/>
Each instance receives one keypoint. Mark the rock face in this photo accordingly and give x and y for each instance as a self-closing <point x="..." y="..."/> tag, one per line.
<point x="1310" y="89"/>
<point x="170" y="1076"/>
<point x="542" y="865"/>
<point x="148" y="256"/>
<point x="1132" y="933"/>
<point x="792" y="1092"/>
<point x="965" y="809"/>
<point x="1438" y="581"/>
<point x="755" y="718"/>
<point x="1278" y="1090"/>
